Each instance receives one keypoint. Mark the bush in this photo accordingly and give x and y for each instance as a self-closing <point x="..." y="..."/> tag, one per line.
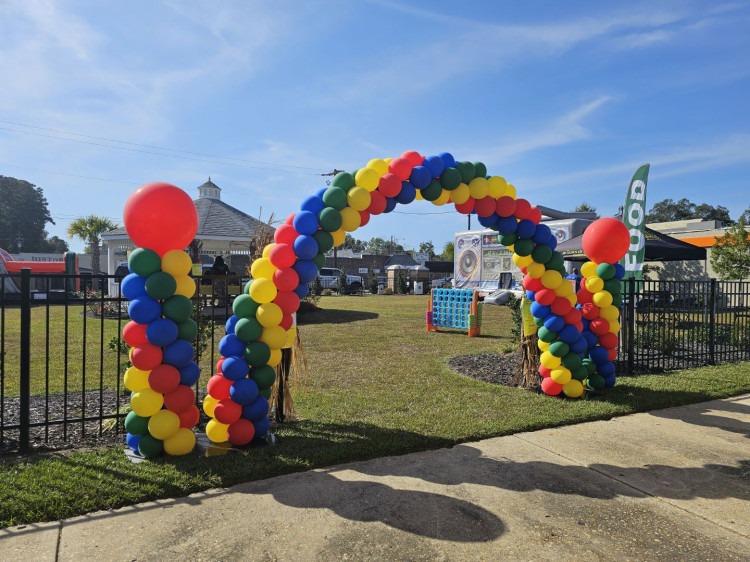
<point x="514" y="303"/>
<point x="652" y="336"/>
<point x="403" y="286"/>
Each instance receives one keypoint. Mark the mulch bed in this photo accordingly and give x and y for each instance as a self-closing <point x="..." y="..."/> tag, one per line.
<point x="495" y="368"/>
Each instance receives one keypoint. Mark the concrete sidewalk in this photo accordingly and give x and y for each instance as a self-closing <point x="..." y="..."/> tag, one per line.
<point x="667" y="485"/>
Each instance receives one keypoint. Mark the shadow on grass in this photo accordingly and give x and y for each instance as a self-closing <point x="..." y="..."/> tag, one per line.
<point x="335" y="316"/>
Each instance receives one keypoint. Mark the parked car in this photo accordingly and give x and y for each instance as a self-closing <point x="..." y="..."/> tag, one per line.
<point x="442" y="283"/>
<point x="329" y="279"/>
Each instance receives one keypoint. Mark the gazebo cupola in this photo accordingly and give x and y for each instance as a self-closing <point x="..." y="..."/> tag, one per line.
<point x="209" y="190"/>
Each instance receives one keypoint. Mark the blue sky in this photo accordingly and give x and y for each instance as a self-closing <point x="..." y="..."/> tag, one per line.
<point x="563" y="99"/>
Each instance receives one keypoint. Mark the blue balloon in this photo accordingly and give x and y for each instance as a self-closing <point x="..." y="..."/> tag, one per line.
<point x="144" y="309"/>
<point x="306" y="247"/>
<point x="133" y="286"/>
<point x="540" y="310"/>
<point x="243" y="391"/>
<point x="619" y="271"/>
<point x="132" y="441"/>
<point x="554" y="323"/>
<point x="606" y="369"/>
<point x="570" y="334"/>
<point x="231" y="323"/>
<point x="302" y="289"/>
<point x="320" y="192"/>
<point x="599" y="355"/>
<point x="507" y="225"/>
<point x="579" y="345"/>
<point x="447" y="159"/>
<point x="610" y="381"/>
<point x="261" y="427"/>
<point x="256" y="410"/>
<point x="435" y="164"/>
<point x="231" y="345"/>
<point x="489" y="222"/>
<point x="306" y="270"/>
<point x="234" y="368"/>
<point x="420" y="177"/>
<point x="305" y="222"/>
<point x="531" y="295"/>
<point x="179" y="354"/>
<point x="407" y="194"/>
<point x="390" y="204"/>
<point x="525" y="229"/>
<point x="161" y="332"/>
<point x="190" y="373"/>
<point x="591" y="339"/>
<point x="542" y="234"/>
<point x="314" y="204"/>
<point x="552" y="242"/>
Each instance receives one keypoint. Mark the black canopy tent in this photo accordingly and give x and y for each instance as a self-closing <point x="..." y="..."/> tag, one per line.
<point x="659" y="247"/>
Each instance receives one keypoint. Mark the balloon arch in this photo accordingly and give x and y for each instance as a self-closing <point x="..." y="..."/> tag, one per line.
<point x="577" y="332"/>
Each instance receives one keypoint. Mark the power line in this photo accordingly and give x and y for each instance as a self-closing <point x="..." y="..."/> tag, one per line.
<point x="67" y="174"/>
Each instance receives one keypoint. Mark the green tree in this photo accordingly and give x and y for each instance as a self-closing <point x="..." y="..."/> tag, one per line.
<point x="730" y="255"/>
<point x="55" y="245"/>
<point x="669" y="210"/>
<point x="381" y="247"/>
<point x="23" y="216"/>
<point x="353" y="244"/>
<point x="427" y="248"/>
<point x="448" y="250"/>
<point x="745" y="216"/>
<point x="585" y="208"/>
<point x="89" y="229"/>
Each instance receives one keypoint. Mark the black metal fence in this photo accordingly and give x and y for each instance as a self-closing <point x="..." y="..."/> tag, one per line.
<point x="62" y="357"/>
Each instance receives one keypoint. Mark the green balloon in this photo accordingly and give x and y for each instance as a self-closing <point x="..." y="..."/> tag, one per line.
<point x="335" y="197"/>
<point x="605" y="270"/>
<point x="539" y="322"/>
<point x="330" y="219"/>
<point x="344" y="180"/>
<point x="556" y="262"/>
<point x="546" y="335"/>
<point x="244" y="306"/>
<point x="572" y="361"/>
<point x="160" y="285"/>
<point x="144" y="262"/>
<point x="508" y="239"/>
<point x="319" y="260"/>
<point x="590" y="366"/>
<point x="248" y="329"/>
<point x="187" y="330"/>
<point x="266" y="393"/>
<point x="135" y="424"/>
<point x="523" y="246"/>
<point x="263" y="376"/>
<point x="559" y="349"/>
<point x="150" y="447"/>
<point x="177" y="308"/>
<point x="324" y="239"/>
<point x="542" y="253"/>
<point x="580" y="373"/>
<point x="617" y="300"/>
<point x="432" y="191"/>
<point x="257" y="354"/>
<point x="467" y="171"/>
<point x="595" y="381"/>
<point x="480" y="170"/>
<point x="450" y="179"/>
<point x="614" y="286"/>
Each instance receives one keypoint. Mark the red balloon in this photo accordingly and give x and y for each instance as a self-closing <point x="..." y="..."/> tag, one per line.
<point x="160" y="216"/>
<point x="180" y="399"/>
<point x="506" y="206"/>
<point x="401" y="168"/>
<point x="612" y="354"/>
<point x="282" y="254"/>
<point x="290" y="219"/>
<point x="414" y="157"/>
<point x="544" y="371"/>
<point x="532" y="284"/>
<point x="287" y="301"/>
<point x="218" y="386"/>
<point x="485" y="206"/>
<point x="146" y="356"/>
<point x="535" y="215"/>
<point x="389" y="185"/>
<point x="189" y="418"/>
<point x="606" y="240"/>
<point x="523" y="209"/>
<point x="573" y="317"/>
<point x="590" y="311"/>
<point x="134" y="333"/>
<point x="545" y="297"/>
<point x="466" y="207"/>
<point x="227" y="411"/>
<point x="285" y="234"/>
<point x="377" y="202"/>
<point x="286" y="279"/>
<point x="364" y="218"/>
<point x="164" y="378"/>
<point x="219" y="363"/>
<point x="550" y="387"/>
<point x="599" y="326"/>
<point x="561" y="306"/>
<point x="609" y="340"/>
<point x="241" y="432"/>
<point x="583" y="295"/>
<point x="286" y="321"/>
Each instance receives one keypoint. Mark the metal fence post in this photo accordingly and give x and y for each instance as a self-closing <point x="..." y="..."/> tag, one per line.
<point x="25" y="365"/>
<point x="630" y="326"/>
<point x="712" y="323"/>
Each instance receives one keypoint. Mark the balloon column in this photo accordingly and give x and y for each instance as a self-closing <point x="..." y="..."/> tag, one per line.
<point x="162" y="220"/>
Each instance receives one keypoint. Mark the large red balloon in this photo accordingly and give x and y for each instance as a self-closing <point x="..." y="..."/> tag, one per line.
<point x="161" y="217"/>
<point x="606" y="240"/>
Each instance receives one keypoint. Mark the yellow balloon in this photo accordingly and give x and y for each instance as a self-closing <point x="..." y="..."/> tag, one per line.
<point x="543" y="345"/>
<point x="263" y="290"/>
<point x="549" y="360"/>
<point x="275" y="358"/>
<point x="610" y="313"/>
<point x="367" y="178"/>
<point x="565" y="290"/>
<point x="588" y="269"/>
<point x="163" y="424"/>
<point x="217" y="432"/>
<point x="209" y="403"/>
<point x="338" y="237"/>
<point x="419" y="195"/>
<point x="350" y="219"/>
<point x="445" y="197"/>
<point x="185" y="286"/>
<point x="291" y="337"/>
<point x="522" y="261"/>
<point x="535" y="270"/>
<point x="572" y="299"/>
<point x="176" y="263"/>
<point x="359" y="198"/>
<point x="498" y="186"/>
<point x="461" y="194"/>
<point x="274" y="337"/>
<point x="602" y="299"/>
<point x="181" y="443"/>
<point x="614" y="327"/>
<point x="269" y="314"/>
<point x="262" y="268"/>
<point x="573" y="389"/>
<point x="479" y="188"/>
<point x="379" y="165"/>
<point x="510" y="191"/>
<point x="267" y="249"/>
<point x="552" y="279"/>
<point x="594" y="284"/>
<point x="136" y="380"/>
<point x="561" y="375"/>
<point x="146" y="402"/>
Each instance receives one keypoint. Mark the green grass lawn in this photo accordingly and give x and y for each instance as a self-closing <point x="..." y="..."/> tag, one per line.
<point x="378" y="384"/>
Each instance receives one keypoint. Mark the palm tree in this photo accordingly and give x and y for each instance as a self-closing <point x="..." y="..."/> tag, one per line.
<point x="89" y="229"/>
